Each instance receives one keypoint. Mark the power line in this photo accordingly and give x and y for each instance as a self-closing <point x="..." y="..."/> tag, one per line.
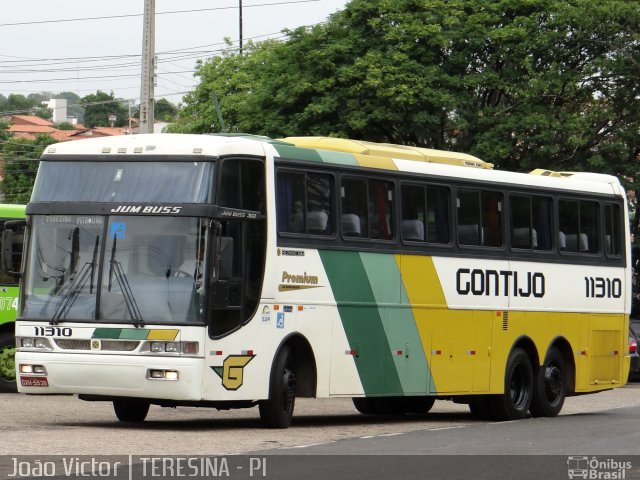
<point x="109" y="17"/>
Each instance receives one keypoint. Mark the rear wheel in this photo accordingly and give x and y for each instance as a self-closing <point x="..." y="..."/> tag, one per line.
<point x="514" y="403"/>
<point x="480" y="408"/>
<point x="7" y="363"/>
<point x="549" y="389"/>
<point x="365" y="405"/>
<point x="131" y="410"/>
<point x="418" y="405"/>
<point x="277" y="411"/>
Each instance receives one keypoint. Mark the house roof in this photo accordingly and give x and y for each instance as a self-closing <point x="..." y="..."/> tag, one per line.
<point x="108" y="131"/>
<point x="29" y="120"/>
<point x="31" y="129"/>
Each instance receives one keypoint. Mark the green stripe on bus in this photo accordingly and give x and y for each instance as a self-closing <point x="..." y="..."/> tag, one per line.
<point x="134" y="334"/>
<point x="408" y="357"/>
<point x="340" y="158"/>
<point x="106" y="333"/>
<point x="287" y="151"/>
<point x="361" y="320"/>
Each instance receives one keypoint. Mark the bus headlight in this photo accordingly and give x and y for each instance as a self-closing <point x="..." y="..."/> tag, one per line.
<point x="37" y="342"/>
<point x="156" y="374"/>
<point x="184" y="348"/>
<point x="33" y="369"/>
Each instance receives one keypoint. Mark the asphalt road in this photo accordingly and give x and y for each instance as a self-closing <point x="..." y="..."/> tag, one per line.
<point x="447" y="442"/>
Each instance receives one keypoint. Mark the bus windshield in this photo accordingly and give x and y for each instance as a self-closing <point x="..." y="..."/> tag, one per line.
<point x="130" y="269"/>
<point x="66" y="181"/>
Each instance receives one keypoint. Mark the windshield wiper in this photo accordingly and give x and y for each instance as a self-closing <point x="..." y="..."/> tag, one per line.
<point x="125" y="288"/>
<point x="78" y="283"/>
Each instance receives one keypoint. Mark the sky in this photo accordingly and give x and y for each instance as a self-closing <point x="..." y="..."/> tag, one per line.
<point x="61" y="45"/>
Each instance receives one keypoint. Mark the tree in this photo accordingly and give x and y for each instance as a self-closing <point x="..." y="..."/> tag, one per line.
<point x="18" y="105"/>
<point x="100" y="106"/>
<point x="21" y="160"/>
<point x="164" y="110"/>
<point x="541" y="83"/>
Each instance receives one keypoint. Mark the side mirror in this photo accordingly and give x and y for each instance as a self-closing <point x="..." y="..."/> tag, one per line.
<point x="12" y="240"/>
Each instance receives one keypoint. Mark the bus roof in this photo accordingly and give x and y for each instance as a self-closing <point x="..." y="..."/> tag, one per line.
<point x="389" y="150"/>
<point x="331" y="150"/>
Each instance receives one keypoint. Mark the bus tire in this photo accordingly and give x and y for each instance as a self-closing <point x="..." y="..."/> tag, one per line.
<point x="549" y="389"/>
<point x="514" y="403"/>
<point x="480" y="408"/>
<point x="7" y="363"/>
<point x="277" y="411"/>
<point x="131" y="410"/>
<point x="365" y="405"/>
<point x="418" y="405"/>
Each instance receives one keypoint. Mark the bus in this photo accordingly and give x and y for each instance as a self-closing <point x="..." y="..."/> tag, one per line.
<point x="235" y="271"/>
<point x="9" y="295"/>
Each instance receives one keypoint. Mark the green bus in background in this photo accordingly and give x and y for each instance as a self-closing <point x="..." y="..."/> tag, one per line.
<point x="9" y="294"/>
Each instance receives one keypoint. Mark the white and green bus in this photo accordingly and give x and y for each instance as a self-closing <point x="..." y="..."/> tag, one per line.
<point x="240" y="271"/>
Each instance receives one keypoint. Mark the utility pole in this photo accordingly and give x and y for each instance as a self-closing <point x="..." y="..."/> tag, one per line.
<point x="148" y="67"/>
<point x="240" y="19"/>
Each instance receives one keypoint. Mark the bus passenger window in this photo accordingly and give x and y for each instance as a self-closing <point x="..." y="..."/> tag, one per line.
<point x="469" y="220"/>
<point x="612" y="230"/>
<point x="381" y="209"/>
<point x="437" y="214"/>
<point x="578" y="226"/>
<point x="569" y="225"/>
<point x="530" y="222"/>
<point x="425" y="213"/>
<point x="354" y="208"/>
<point x="491" y="211"/>
<point x="589" y="226"/>
<point x="305" y="203"/>
<point x="480" y="218"/>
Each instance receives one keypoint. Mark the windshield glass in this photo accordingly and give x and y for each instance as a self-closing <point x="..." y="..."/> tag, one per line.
<point x="140" y="270"/>
<point x="62" y="276"/>
<point x="186" y="182"/>
<point x="153" y="270"/>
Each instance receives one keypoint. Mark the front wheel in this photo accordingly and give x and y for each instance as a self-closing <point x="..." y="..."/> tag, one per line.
<point x="549" y="389"/>
<point x="514" y="403"/>
<point x="277" y="411"/>
<point x="131" y="410"/>
<point x="7" y="363"/>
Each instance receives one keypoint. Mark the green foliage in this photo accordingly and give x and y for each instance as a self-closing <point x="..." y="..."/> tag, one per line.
<point x="17" y="105"/>
<point x="165" y="111"/>
<point x="4" y="132"/>
<point x="527" y="84"/>
<point x="98" y="108"/>
<point x="21" y="160"/>
<point x="65" y="126"/>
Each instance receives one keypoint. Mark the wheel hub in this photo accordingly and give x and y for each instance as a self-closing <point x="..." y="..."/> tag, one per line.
<point x="8" y="364"/>
<point x="552" y="382"/>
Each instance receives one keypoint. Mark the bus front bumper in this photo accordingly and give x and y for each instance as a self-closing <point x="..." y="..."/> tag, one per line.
<point x="168" y="378"/>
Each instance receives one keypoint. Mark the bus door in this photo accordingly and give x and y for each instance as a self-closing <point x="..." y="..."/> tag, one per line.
<point x="236" y="278"/>
<point x="239" y="243"/>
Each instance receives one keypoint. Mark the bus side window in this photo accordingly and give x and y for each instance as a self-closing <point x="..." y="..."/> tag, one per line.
<point x="354" y="208"/>
<point x="530" y="222"/>
<point x="612" y="230"/>
<point x="16" y="254"/>
<point x="381" y="209"/>
<point x="305" y="203"/>
<point x="425" y="213"/>
<point x="578" y="226"/>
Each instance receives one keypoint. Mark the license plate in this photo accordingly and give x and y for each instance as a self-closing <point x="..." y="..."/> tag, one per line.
<point x="34" y="381"/>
